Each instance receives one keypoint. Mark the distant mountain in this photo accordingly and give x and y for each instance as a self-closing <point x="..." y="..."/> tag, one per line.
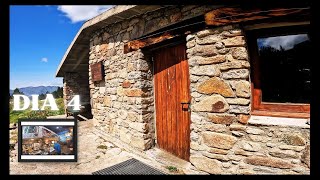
<point x="36" y="90"/>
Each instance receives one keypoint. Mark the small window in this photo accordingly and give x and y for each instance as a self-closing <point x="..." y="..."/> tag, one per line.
<point x="281" y="61"/>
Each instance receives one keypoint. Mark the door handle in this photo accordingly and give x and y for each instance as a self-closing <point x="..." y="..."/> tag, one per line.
<point x="189" y="103"/>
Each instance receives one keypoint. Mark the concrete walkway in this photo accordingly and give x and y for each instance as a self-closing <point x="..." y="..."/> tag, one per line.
<point x="96" y="152"/>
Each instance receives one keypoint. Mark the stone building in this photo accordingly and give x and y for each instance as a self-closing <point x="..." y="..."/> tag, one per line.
<point x="226" y="88"/>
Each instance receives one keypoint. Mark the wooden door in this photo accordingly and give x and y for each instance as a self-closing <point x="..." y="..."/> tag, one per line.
<point x="171" y="80"/>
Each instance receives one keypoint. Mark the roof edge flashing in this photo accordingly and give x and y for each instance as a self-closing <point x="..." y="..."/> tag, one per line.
<point x="110" y="12"/>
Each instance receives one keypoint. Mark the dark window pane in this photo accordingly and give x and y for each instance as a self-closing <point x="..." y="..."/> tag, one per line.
<point x="285" y="68"/>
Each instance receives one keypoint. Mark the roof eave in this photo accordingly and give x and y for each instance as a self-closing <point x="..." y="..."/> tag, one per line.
<point x="87" y="25"/>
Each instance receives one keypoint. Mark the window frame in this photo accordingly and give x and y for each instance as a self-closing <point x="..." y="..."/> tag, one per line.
<point x="258" y="107"/>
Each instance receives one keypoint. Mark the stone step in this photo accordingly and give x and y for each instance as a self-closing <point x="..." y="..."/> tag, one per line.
<point x="167" y="158"/>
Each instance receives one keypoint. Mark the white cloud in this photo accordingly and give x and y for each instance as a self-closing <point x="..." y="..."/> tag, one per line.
<point x="286" y="42"/>
<point x="82" y="13"/>
<point x="44" y="59"/>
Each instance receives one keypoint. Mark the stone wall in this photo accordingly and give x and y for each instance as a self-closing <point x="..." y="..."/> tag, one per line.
<point x="221" y="142"/>
<point x="248" y="149"/>
<point x="123" y="104"/>
<point x="76" y="84"/>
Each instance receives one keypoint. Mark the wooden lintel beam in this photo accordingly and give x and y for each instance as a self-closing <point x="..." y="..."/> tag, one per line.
<point x="134" y="10"/>
<point x="119" y="17"/>
<point x="82" y="55"/>
<point x="138" y="44"/>
<point x="72" y="65"/>
<point x="228" y="15"/>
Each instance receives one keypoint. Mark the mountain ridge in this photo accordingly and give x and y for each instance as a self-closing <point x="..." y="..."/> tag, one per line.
<point x="29" y="90"/>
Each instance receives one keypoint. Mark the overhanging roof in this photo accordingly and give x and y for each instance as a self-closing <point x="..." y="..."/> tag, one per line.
<point x="76" y="57"/>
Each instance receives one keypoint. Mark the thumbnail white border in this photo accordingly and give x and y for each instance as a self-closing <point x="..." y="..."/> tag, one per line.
<point x="47" y="157"/>
<point x="56" y="123"/>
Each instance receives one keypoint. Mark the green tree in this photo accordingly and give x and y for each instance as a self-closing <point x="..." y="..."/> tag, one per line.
<point x="17" y="91"/>
<point x="58" y="93"/>
<point x="55" y="94"/>
<point x="42" y="96"/>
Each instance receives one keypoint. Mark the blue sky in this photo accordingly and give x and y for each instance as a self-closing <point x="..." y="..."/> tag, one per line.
<point x="39" y="37"/>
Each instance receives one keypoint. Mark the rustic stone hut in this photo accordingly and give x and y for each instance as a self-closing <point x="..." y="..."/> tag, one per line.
<point x="226" y="88"/>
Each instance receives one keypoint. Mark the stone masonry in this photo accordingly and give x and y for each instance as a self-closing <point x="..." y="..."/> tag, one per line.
<point x="221" y="141"/>
<point x="123" y="104"/>
<point x="76" y="84"/>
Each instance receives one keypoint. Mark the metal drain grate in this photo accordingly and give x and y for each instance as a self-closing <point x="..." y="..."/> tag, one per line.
<point x="129" y="167"/>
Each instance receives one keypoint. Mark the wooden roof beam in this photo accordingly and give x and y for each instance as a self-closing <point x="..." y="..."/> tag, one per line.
<point x="80" y="59"/>
<point x="174" y="30"/>
<point x="138" y="44"/>
<point x="229" y="15"/>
